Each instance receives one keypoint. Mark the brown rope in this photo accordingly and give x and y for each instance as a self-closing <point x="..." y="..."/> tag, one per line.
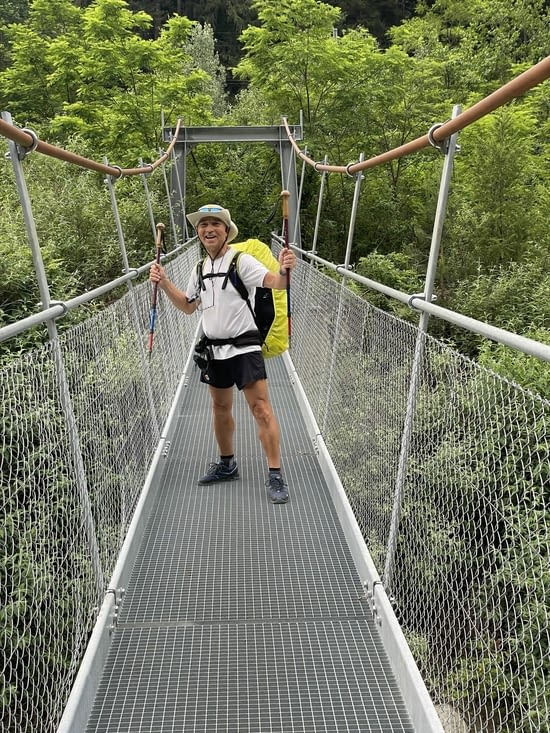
<point x="514" y="88"/>
<point x="29" y="141"/>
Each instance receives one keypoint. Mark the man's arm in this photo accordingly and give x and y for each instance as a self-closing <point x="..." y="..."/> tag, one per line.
<point x="278" y="280"/>
<point x="176" y="296"/>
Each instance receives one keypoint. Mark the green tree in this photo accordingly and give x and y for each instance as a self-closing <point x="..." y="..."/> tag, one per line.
<point x="90" y="72"/>
<point x="377" y="16"/>
<point x="396" y="270"/>
<point x="296" y="63"/>
<point x="227" y="18"/>
<point x="201" y="48"/>
<point x="29" y="87"/>
<point x="291" y="55"/>
<point x="477" y="42"/>
<point x="11" y="11"/>
<point x="496" y="191"/>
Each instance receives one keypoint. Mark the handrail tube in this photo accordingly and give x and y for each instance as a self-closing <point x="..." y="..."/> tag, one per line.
<point x="37" y="319"/>
<point x="372" y="284"/>
<point x="521" y="343"/>
<point x="417" y="302"/>
<point x="60" y="308"/>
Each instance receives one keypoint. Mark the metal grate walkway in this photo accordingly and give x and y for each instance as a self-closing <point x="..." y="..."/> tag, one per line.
<point x="242" y="616"/>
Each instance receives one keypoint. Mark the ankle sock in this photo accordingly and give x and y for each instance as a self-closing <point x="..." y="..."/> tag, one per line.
<point x="228" y="460"/>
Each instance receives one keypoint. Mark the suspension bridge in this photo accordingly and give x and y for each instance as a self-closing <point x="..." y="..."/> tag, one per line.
<point x="403" y="588"/>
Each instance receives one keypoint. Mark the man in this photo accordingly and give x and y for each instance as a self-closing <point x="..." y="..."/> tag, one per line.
<point x="225" y="315"/>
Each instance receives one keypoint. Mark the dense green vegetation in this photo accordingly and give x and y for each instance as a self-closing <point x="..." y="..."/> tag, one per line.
<point x="98" y="76"/>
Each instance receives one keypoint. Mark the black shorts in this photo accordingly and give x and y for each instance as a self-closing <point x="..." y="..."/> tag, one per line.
<point x="239" y="370"/>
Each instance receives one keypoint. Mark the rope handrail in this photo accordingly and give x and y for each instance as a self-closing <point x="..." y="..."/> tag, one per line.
<point x="511" y="90"/>
<point x="29" y="140"/>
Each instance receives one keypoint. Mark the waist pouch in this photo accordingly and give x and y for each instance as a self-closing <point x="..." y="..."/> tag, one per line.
<point x="203" y="353"/>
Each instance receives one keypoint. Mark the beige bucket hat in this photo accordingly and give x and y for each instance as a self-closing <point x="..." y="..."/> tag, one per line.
<point x="217" y="212"/>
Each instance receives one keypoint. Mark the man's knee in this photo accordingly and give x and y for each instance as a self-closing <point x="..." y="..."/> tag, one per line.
<point x="262" y="410"/>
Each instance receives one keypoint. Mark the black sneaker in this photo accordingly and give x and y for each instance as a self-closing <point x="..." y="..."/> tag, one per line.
<point x="278" y="490"/>
<point x="220" y="472"/>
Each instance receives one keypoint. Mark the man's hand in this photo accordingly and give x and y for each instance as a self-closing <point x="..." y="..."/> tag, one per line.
<point x="157" y="274"/>
<point x="287" y="260"/>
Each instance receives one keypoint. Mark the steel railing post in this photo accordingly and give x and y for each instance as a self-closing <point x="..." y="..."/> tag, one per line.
<point x="449" y="151"/>
<point x="135" y="313"/>
<point x="173" y="225"/>
<point x="148" y="201"/>
<point x="59" y="365"/>
<point x="289" y="181"/>
<point x="183" y="233"/>
<point x="356" y="195"/>
<point x="319" y="208"/>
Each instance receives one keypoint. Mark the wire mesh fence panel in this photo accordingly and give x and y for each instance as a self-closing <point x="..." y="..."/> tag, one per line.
<point x="48" y="588"/>
<point x="80" y="423"/>
<point x="472" y="571"/>
<point x="470" y="578"/>
<point x="313" y="297"/>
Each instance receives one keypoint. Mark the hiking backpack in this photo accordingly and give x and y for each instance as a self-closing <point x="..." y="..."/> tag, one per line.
<point x="270" y="306"/>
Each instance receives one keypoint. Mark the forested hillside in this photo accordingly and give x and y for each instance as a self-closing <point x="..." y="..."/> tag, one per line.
<point x="96" y="77"/>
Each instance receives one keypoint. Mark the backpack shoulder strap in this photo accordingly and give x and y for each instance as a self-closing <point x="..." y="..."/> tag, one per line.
<point x="200" y="276"/>
<point x="240" y="287"/>
<point x="233" y="275"/>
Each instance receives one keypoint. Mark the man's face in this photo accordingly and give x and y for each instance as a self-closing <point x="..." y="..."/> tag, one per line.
<point x="212" y="233"/>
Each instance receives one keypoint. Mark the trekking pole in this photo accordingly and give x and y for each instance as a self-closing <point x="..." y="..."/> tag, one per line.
<point x="285" y="196"/>
<point x="153" y="313"/>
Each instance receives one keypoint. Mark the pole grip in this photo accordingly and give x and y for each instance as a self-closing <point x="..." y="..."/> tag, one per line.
<point x="159" y="240"/>
<point x="285" y="195"/>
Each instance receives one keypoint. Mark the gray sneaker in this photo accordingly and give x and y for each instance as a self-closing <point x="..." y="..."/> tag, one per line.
<point x="220" y="472"/>
<point x="278" y="490"/>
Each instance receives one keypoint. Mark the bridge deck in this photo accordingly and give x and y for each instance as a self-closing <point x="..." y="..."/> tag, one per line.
<point x="242" y="616"/>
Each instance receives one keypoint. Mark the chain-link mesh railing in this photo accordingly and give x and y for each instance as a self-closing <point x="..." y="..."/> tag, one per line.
<point x="470" y="569"/>
<point x="470" y="563"/>
<point x="81" y="418"/>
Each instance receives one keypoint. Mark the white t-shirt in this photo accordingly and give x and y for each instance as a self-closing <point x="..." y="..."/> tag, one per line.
<point x="224" y="313"/>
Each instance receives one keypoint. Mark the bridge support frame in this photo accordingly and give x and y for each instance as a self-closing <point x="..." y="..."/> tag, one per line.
<point x="190" y="137"/>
